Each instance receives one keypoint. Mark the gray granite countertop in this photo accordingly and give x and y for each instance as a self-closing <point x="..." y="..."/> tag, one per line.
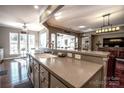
<point x="75" y="72"/>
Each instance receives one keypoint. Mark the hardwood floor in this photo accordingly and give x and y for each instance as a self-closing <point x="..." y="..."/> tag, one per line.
<point x="16" y="73"/>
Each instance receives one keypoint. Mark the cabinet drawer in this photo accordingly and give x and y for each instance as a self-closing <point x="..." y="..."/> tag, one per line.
<point x="55" y="83"/>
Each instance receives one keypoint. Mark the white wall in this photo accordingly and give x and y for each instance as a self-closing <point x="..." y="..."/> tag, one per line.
<point x="4" y="38"/>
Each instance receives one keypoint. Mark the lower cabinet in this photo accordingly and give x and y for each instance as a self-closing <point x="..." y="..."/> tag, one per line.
<point x="119" y="73"/>
<point x="44" y="83"/>
<point x="30" y="69"/>
<point x="55" y="83"/>
<point x="95" y="81"/>
<point x="40" y="77"/>
<point x="44" y="79"/>
<point x="36" y="74"/>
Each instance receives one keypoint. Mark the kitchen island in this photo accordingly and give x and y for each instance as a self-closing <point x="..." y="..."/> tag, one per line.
<point x="50" y="71"/>
<point x="98" y="57"/>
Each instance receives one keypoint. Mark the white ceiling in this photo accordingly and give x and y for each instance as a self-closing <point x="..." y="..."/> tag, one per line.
<point x="17" y="15"/>
<point x="70" y="16"/>
<point x="90" y="16"/>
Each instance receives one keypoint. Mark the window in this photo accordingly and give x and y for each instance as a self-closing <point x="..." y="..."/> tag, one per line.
<point x="43" y="40"/>
<point x="53" y="40"/>
<point x="31" y="42"/>
<point x="23" y="43"/>
<point x="13" y="43"/>
<point x="65" y="41"/>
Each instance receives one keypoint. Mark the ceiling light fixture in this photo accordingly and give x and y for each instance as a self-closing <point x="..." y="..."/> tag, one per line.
<point x="58" y="17"/>
<point x="49" y="12"/>
<point x="24" y="27"/>
<point x="36" y="6"/>
<point x="107" y="27"/>
<point x="81" y="26"/>
<point x="58" y="14"/>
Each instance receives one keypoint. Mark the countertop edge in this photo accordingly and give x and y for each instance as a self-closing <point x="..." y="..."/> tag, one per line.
<point x="85" y="53"/>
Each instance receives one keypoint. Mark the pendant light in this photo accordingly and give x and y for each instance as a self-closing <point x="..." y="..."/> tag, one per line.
<point x="107" y="27"/>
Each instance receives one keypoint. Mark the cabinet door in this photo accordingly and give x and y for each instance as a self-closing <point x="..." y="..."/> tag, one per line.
<point x="44" y="81"/>
<point x="36" y="74"/>
<point x="36" y="78"/>
<point x="31" y="69"/>
<point x="55" y="83"/>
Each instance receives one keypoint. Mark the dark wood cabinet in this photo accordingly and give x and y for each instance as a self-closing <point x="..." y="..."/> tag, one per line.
<point x="115" y="70"/>
<point x="119" y="71"/>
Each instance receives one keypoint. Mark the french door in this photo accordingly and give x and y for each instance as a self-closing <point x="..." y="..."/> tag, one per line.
<point x="21" y="43"/>
<point x="27" y="43"/>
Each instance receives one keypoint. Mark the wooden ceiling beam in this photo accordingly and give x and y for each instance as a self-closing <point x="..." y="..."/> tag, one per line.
<point x="49" y="12"/>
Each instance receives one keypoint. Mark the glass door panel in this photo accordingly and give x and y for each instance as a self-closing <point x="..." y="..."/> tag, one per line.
<point x="13" y="43"/>
<point x="23" y="44"/>
<point x="43" y="40"/>
<point x="31" y="42"/>
<point x="53" y="40"/>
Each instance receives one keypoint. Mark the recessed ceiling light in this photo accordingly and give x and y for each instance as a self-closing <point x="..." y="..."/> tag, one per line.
<point x="58" y="17"/>
<point x="36" y="6"/>
<point x="81" y="26"/>
<point x="49" y="11"/>
<point x="58" y="14"/>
